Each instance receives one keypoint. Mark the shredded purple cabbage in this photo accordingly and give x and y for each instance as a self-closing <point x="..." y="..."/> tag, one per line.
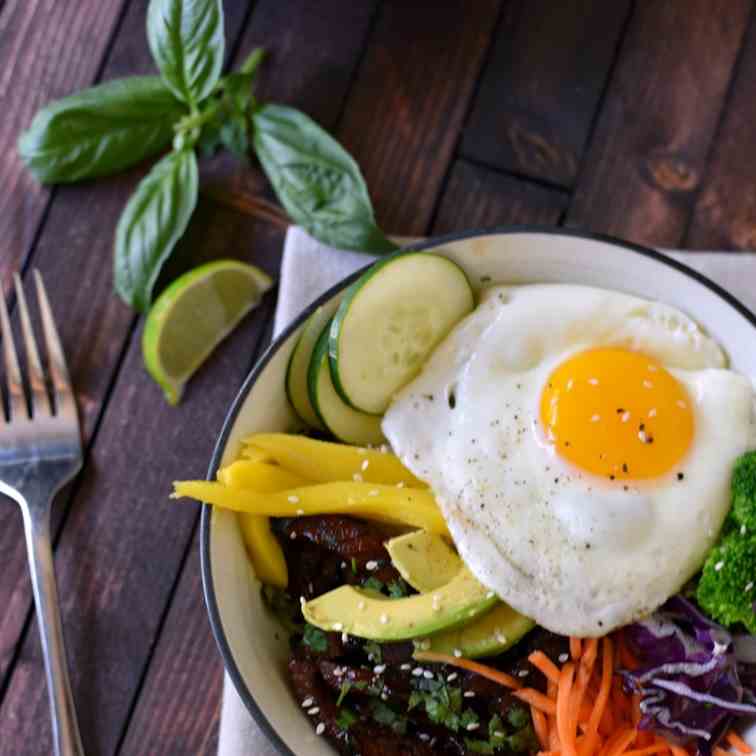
<point x="696" y="677"/>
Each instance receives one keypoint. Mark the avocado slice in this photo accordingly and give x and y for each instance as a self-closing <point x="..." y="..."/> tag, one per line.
<point x="366" y="614"/>
<point x="491" y="634"/>
<point x="424" y="560"/>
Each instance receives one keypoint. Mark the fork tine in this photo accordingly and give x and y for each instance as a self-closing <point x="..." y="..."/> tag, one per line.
<point x="39" y="396"/>
<point x="16" y="400"/>
<point x="56" y="360"/>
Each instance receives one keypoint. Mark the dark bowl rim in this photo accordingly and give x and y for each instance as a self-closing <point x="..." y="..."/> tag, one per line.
<point x="206" y="567"/>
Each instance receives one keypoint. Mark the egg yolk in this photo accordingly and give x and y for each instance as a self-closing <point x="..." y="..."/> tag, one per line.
<point x="617" y="413"/>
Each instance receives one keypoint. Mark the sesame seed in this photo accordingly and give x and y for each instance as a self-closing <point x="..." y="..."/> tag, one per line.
<point x="473" y="726"/>
<point x="384" y="619"/>
<point x="371" y="565"/>
<point x="643" y="437"/>
<point x="647" y="384"/>
<point x="718" y="566"/>
<point x="373" y="492"/>
<point x="652" y="412"/>
<point x="361" y="605"/>
<point x="742" y="530"/>
<point x="345" y="637"/>
<point x="593" y="381"/>
<point x="570" y="384"/>
<point x="338" y="672"/>
<point x="457" y="653"/>
<point x="400" y="484"/>
<point x="293" y="499"/>
<point x="357" y="478"/>
<point x="749" y="587"/>
<point x="308" y="702"/>
<point x="490" y="595"/>
<point x="337" y="626"/>
<point x="364" y="465"/>
<point x="405" y="667"/>
<point x="417" y="672"/>
<point x="384" y="696"/>
<point x="522" y="673"/>
<point x="498" y="734"/>
<point x="469" y="694"/>
<point x="452" y="677"/>
<point x="424" y="737"/>
<point x="313" y="711"/>
<point x="427" y="674"/>
<point x="379" y="669"/>
<point x="320" y="729"/>
<point x="293" y="536"/>
<point x="625" y="416"/>
<point x="563" y="658"/>
<point x="302" y="600"/>
<point x="595" y="418"/>
<point x="300" y="512"/>
<point x="500" y="637"/>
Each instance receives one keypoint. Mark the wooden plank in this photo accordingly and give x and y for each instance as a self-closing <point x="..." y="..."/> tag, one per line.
<point x="404" y="113"/>
<point x="48" y="50"/>
<point x="478" y="197"/>
<point x="541" y="86"/>
<point x="725" y="211"/>
<point x="647" y="155"/>
<point x="96" y="325"/>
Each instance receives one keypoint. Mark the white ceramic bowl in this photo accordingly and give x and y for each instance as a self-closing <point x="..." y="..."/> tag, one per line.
<point x="253" y="645"/>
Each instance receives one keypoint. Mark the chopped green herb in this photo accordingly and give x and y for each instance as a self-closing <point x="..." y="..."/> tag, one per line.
<point x="354" y="566"/>
<point x="518" y="717"/>
<point x="384" y="714"/>
<point x="479" y="746"/>
<point x="373" y="584"/>
<point x="397" y="589"/>
<point x="345" y="688"/>
<point x="315" y="639"/>
<point x="415" y="699"/>
<point x="374" y="652"/>
<point x="469" y="717"/>
<point x="346" y="719"/>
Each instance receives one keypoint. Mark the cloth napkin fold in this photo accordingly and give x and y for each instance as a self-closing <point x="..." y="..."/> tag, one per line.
<point x="309" y="268"/>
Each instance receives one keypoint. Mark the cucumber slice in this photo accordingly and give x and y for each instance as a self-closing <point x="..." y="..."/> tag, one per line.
<point x="346" y="423"/>
<point x="389" y="322"/>
<point x="299" y="363"/>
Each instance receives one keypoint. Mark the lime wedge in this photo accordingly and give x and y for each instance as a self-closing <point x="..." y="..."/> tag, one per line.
<point x="193" y="315"/>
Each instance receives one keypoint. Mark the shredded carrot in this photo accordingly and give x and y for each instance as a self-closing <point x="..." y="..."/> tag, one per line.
<point x="563" y="713"/>
<point x="576" y="648"/>
<point x="534" y="698"/>
<point x="737" y="742"/>
<point x="480" y="669"/>
<point x="542" y="663"/>
<point x="678" y="751"/>
<point x="541" y="727"/>
<point x="717" y="751"/>
<point x="624" y="739"/>
<point x="656" y="748"/>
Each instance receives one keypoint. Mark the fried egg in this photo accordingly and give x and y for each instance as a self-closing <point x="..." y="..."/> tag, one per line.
<point x="580" y="444"/>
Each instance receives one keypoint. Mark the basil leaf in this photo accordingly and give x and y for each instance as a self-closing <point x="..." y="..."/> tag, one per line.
<point x="151" y="223"/>
<point x="100" y="130"/>
<point x="316" y="180"/>
<point x="187" y="41"/>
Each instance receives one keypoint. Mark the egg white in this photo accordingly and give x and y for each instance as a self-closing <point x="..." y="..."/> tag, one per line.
<point x="578" y="554"/>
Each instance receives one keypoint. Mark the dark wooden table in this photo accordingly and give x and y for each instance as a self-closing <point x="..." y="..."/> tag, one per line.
<point x="634" y="119"/>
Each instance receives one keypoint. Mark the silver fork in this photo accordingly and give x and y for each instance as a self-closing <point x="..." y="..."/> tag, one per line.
<point x="40" y="451"/>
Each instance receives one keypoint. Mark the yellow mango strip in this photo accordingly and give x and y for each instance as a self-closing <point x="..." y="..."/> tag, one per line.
<point x="259" y="476"/>
<point x="325" y="462"/>
<point x="264" y="550"/>
<point x="399" y="506"/>
<point x="253" y="454"/>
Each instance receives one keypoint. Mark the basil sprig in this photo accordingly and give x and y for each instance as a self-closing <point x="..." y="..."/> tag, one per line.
<point x="189" y="108"/>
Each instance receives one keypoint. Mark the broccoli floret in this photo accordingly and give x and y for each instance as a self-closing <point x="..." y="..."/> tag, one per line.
<point x="726" y="589"/>
<point x="743" y="512"/>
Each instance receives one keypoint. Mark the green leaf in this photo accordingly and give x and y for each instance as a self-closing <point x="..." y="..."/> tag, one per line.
<point x="346" y="719"/>
<point x="316" y="180"/>
<point x="152" y="222"/>
<point x="343" y="691"/>
<point x="315" y="639"/>
<point x="373" y="584"/>
<point x="374" y="651"/>
<point x="100" y="130"/>
<point x="188" y="43"/>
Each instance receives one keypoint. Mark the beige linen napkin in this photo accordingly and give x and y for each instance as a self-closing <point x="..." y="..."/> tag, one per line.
<point x="308" y="269"/>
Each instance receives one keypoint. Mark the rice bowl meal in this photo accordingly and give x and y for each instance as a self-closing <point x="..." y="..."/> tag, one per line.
<point x="520" y="519"/>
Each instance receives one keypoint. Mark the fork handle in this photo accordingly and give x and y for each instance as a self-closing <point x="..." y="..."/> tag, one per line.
<point x="65" y="730"/>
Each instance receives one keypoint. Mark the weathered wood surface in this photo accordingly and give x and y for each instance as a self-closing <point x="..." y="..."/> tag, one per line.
<point x="631" y="120"/>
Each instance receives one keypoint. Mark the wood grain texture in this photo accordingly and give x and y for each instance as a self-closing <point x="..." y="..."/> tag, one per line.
<point x="409" y="100"/>
<point x="478" y="197"/>
<point x="94" y="325"/>
<point x="725" y="211"/>
<point x="541" y="86"/>
<point x="48" y="49"/>
<point x="660" y="114"/>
